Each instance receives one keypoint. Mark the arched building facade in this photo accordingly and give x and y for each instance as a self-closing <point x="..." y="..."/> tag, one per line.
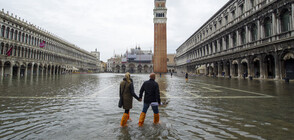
<point x="28" y="50"/>
<point x="244" y="38"/>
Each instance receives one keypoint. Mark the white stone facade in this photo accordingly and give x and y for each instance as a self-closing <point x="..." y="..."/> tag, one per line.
<point x="244" y="38"/>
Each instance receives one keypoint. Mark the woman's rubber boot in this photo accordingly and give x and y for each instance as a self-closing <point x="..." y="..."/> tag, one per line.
<point x="124" y="120"/>
<point x="156" y="118"/>
<point x="129" y="117"/>
<point x="142" y="118"/>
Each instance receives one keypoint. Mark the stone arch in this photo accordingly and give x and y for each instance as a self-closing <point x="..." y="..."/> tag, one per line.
<point x="23" y="71"/>
<point x="244" y="67"/>
<point x="15" y="68"/>
<point x="269" y="61"/>
<point x="7" y="68"/>
<point x="132" y="68"/>
<point x="288" y="65"/>
<point x="3" y="28"/>
<point x="145" y="68"/>
<point x="285" y="18"/>
<point x="227" y="67"/>
<point x="256" y="66"/>
<point x="235" y="67"/>
<point x="117" y="68"/>
<point x="139" y="68"/>
<point x="35" y="69"/>
<point x="123" y="68"/>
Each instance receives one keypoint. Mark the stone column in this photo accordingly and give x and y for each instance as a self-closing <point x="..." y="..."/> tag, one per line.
<point x="11" y="69"/>
<point x="239" y="68"/>
<point x="2" y="70"/>
<point x="274" y="24"/>
<point x="277" y="66"/>
<point x="219" y="69"/>
<point x="258" y="30"/>
<point x="249" y="67"/>
<point x="278" y="25"/>
<point x="248" y="35"/>
<point x="37" y="71"/>
<point x="224" y="43"/>
<point x="231" y="68"/>
<point x="262" y="67"/>
<point x="42" y="71"/>
<point x="237" y="38"/>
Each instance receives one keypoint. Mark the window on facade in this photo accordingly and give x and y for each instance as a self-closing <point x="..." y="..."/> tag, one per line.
<point x="15" y="35"/>
<point x="215" y="46"/>
<point x="226" y="19"/>
<point x="241" y="9"/>
<point x="11" y="34"/>
<point x="2" y="31"/>
<point x="234" y="40"/>
<point x="285" y="21"/>
<point x="267" y="27"/>
<point x="253" y="32"/>
<point x="220" y="22"/>
<point x="233" y="15"/>
<point x="7" y="32"/>
<point x="211" y="48"/>
<point x="252" y="3"/>
<point x="243" y="36"/>
<point x="227" y="42"/>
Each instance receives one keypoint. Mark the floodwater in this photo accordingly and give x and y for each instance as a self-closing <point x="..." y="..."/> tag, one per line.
<point x="85" y="107"/>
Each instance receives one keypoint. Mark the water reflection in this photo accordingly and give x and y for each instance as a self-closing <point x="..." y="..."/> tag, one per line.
<point x="85" y="107"/>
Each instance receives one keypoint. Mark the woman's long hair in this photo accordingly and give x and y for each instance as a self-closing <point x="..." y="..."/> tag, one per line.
<point x="128" y="78"/>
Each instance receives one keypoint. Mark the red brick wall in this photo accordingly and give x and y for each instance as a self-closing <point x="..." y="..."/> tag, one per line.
<point x="160" y="48"/>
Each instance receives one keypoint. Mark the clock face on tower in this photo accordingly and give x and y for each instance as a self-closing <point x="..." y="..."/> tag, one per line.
<point x="160" y="41"/>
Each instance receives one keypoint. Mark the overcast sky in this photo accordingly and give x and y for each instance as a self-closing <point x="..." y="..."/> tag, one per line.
<point x="114" y="25"/>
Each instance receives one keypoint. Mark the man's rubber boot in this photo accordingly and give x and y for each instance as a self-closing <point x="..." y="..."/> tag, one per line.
<point x="124" y="120"/>
<point x="156" y="118"/>
<point x="142" y="118"/>
<point x="129" y="117"/>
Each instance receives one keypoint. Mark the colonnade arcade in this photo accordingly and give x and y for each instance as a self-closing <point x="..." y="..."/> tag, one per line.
<point x="19" y="68"/>
<point x="274" y="65"/>
<point x="134" y="68"/>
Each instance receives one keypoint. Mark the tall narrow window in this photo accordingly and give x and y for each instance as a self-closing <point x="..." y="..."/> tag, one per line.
<point x="254" y="32"/>
<point x="252" y="3"/>
<point x="233" y="15"/>
<point x="7" y="32"/>
<point x="241" y="9"/>
<point x="267" y="27"/>
<point x="285" y="21"/>
<point x="234" y="39"/>
<point x="243" y="36"/>
<point x="2" y="31"/>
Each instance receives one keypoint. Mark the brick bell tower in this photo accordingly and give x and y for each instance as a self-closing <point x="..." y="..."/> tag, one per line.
<point x="160" y="43"/>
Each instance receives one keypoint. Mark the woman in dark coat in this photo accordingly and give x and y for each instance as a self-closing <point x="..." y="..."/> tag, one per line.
<point x="126" y="91"/>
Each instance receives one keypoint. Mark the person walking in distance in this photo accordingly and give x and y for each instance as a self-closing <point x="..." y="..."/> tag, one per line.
<point x="186" y="77"/>
<point x="151" y="97"/>
<point x="171" y="75"/>
<point x="127" y="93"/>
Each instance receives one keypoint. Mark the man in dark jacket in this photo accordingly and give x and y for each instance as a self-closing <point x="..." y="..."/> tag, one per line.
<point x="151" y="97"/>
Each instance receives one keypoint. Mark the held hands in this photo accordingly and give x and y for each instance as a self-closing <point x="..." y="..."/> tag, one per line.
<point x="140" y="100"/>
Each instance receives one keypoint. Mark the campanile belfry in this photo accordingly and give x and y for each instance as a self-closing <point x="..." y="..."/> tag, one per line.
<point x="160" y="43"/>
